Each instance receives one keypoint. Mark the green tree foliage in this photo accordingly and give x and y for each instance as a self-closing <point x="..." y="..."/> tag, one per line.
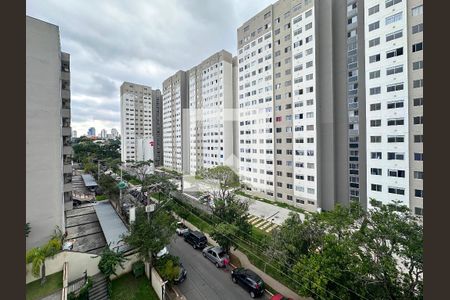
<point x="223" y="234"/>
<point x="142" y="169"/>
<point x="109" y="261"/>
<point x="150" y="235"/>
<point x="38" y="255"/>
<point x="233" y="211"/>
<point x="27" y="229"/>
<point x="86" y="150"/>
<point x="224" y="177"/>
<point x="168" y="267"/>
<point x="158" y="183"/>
<point x="109" y="186"/>
<point x="348" y="253"/>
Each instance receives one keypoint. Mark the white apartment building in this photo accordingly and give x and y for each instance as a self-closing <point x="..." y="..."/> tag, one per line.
<point x="210" y="112"/>
<point x="291" y="111"/>
<point x="175" y="123"/>
<point x="391" y="86"/>
<point x="48" y="132"/>
<point x="139" y="113"/>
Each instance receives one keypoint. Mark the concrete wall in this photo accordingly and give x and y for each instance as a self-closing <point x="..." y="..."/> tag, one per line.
<point x="78" y="263"/>
<point x="157" y="283"/>
<point x="44" y="176"/>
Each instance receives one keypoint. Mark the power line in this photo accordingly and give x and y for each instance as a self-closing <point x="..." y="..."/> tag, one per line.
<point x="260" y="248"/>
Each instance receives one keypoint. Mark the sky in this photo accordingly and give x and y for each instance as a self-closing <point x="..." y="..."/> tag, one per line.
<point x="137" y="41"/>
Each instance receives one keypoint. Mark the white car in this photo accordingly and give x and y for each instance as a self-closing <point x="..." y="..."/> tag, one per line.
<point x="181" y="228"/>
<point x="162" y="252"/>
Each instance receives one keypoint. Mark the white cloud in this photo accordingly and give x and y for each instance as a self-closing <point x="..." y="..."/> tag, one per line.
<point x="138" y="41"/>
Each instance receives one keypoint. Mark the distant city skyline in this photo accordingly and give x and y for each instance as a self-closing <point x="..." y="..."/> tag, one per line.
<point x="146" y="46"/>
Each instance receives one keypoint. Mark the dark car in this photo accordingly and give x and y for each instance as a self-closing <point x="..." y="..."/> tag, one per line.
<point x="196" y="239"/>
<point x="249" y="280"/>
<point x="181" y="276"/>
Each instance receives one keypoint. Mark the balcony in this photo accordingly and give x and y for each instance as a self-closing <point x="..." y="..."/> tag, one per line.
<point x="67" y="187"/>
<point x="66" y="131"/>
<point x="67" y="150"/>
<point x="67" y="169"/>
<point x="65" y="94"/>
<point x="65" y="112"/>
<point x="65" y="75"/>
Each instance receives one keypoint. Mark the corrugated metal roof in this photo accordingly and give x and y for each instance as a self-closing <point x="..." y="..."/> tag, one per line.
<point x="112" y="226"/>
<point x="88" y="180"/>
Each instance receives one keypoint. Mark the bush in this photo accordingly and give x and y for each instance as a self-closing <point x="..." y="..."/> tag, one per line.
<point x="138" y="268"/>
<point x="101" y="197"/>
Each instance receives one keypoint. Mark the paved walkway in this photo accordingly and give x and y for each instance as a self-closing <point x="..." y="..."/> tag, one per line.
<point x="55" y="296"/>
<point x="276" y="285"/>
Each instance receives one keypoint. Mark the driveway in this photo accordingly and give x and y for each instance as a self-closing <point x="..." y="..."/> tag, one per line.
<point x="204" y="280"/>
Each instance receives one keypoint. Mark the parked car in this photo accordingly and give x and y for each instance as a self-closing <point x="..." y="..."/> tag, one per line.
<point x="182" y="275"/>
<point x="196" y="239"/>
<point x="249" y="280"/>
<point x="163" y="252"/>
<point x="181" y="228"/>
<point x="279" y="297"/>
<point x="216" y="254"/>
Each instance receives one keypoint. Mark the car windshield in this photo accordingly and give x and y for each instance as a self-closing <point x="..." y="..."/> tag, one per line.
<point x="222" y="254"/>
<point x="203" y="239"/>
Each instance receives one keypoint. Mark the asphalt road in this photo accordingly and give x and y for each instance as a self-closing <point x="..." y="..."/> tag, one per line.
<point x="204" y="280"/>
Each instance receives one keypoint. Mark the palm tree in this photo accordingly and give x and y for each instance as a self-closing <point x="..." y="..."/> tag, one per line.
<point x="37" y="256"/>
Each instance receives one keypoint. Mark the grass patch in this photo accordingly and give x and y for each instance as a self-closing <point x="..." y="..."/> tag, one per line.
<point x="158" y="196"/>
<point x="101" y="197"/>
<point x="127" y="287"/>
<point x="34" y="290"/>
<point x="134" y="181"/>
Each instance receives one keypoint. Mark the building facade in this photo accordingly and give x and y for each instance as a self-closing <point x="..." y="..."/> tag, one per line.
<point x="114" y="133"/>
<point x="291" y="113"/>
<point x="137" y="120"/>
<point x="394" y="95"/>
<point x="211" y="112"/>
<point x="175" y="123"/>
<point x="91" y="132"/>
<point x="48" y="132"/>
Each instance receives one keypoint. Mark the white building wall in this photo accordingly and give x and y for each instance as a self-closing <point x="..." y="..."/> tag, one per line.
<point x="44" y="165"/>
<point x="397" y="99"/>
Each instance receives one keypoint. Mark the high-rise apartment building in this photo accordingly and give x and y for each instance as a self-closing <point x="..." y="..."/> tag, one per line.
<point x="175" y="122"/>
<point x="292" y="107"/>
<point x="48" y="131"/>
<point x="140" y="108"/>
<point x="74" y="134"/>
<point x="114" y="133"/>
<point x="211" y="112"/>
<point x="103" y="134"/>
<point x="91" y="132"/>
<point x="394" y="96"/>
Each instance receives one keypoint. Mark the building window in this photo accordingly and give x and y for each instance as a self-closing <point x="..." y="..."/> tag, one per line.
<point x="395" y="122"/>
<point x="374" y="58"/>
<point x="375" y="90"/>
<point x="418" y="83"/>
<point x="417" y="28"/>
<point x="396" y="139"/>
<point x="418" y="10"/>
<point x="418" y="120"/>
<point x="395" y="35"/>
<point x="375" y="155"/>
<point x="375" y="139"/>
<point x="374" y="42"/>
<point x="374" y="9"/>
<point x="418" y="175"/>
<point x="374" y="74"/>
<point x="418" y="211"/>
<point x="374" y="25"/>
<point x="417" y="47"/>
<point x="394" y="70"/>
<point x="375" y="123"/>
<point x="396" y="173"/>
<point x="376" y="187"/>
<point x="394" y="18"/>
<point x="389" y="3"/>
<point x="418" y="138"/>
<point x="394" y="87"/>
<point x="395" y="52"/>
<point x="418" y="101"/>
<point x="417" y="65"/>
<point x="395" y="156"/>
<point x="396" y="190"/>
<point x="375" y="171"/>
<point x="418" y="156"/>
<point x="418" y="193"/>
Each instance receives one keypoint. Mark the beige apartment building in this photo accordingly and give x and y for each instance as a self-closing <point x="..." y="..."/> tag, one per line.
<point x="48" y="132"/>
<point x="293" y="115"/>
<point x="211" y="112"/>
<point x="140" y="122"/>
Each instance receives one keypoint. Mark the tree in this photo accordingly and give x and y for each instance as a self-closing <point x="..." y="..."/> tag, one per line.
<point x="233" y="211"/>
<point x="38" y="255"/>
<point x="225" y="178"/>
<point x="109" y="261"/>
<point x="142" y="169"/>
<point x="168" y="267"/>
<point x="158" y="183"/>
<point x="223" y="234"/>
<point x="27" y="229"/>
<point x="109" y="186"/>
<point x="150" y="235"/>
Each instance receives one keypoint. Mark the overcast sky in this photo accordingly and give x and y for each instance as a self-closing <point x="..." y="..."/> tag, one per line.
<point x="138" y="41"/>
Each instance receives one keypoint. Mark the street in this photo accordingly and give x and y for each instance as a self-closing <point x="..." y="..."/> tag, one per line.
<point x="204" y="280"/>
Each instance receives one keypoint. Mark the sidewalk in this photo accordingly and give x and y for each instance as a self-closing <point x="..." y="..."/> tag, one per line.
<point x="276" y="285"/>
